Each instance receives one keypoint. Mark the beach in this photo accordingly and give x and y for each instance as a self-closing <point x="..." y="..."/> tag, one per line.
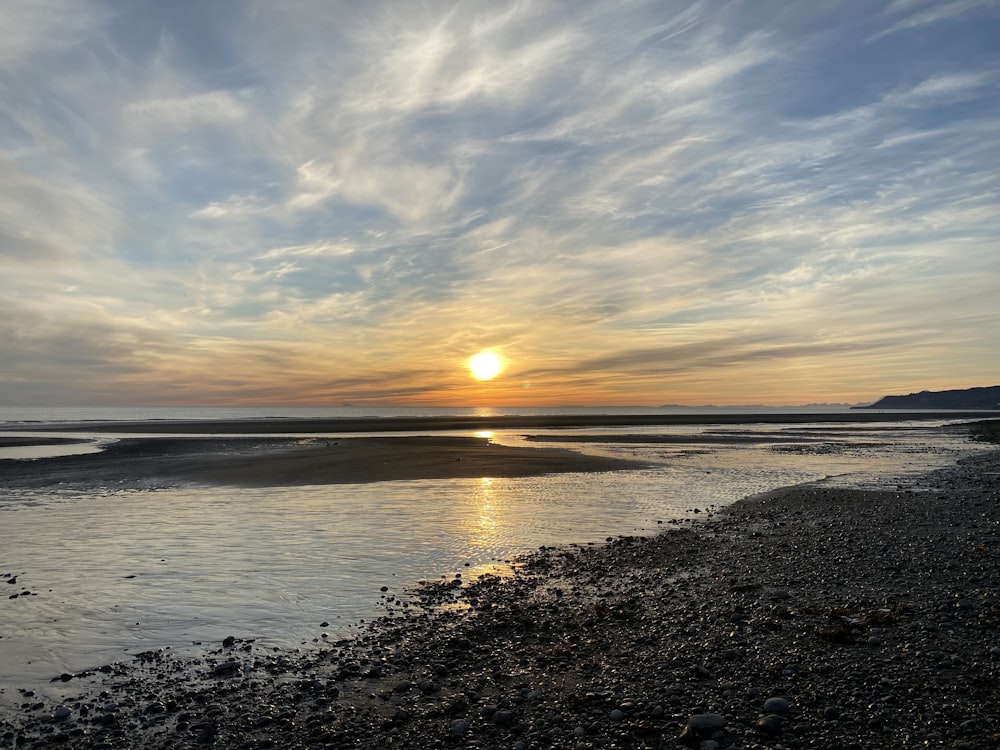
<point x="816" y="617"/>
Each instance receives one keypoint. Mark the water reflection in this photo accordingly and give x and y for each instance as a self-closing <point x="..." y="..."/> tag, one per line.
<point x="484" y="532"/>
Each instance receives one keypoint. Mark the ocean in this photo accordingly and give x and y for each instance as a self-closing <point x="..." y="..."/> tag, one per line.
<point x="112" y="573"/>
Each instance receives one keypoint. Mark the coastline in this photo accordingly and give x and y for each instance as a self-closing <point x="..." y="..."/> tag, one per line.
<point x="807" y="617"/>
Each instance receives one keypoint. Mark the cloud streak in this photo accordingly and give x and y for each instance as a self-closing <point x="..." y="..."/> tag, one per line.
<point x="639" y="204"/>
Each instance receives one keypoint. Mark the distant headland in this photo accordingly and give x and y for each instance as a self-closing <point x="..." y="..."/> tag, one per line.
<point x="965" y="398"/>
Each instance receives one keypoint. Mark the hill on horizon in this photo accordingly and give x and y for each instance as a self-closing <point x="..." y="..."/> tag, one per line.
<point x="987" y="397"/>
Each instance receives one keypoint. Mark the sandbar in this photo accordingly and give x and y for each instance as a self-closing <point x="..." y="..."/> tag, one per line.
<point x="270" y="462"/>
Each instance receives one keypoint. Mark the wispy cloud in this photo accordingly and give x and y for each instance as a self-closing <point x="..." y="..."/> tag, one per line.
<point x="920" y="13"/>
<point x="641" y="203"/>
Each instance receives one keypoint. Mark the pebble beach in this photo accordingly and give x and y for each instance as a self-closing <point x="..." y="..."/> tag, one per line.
<point x="810" y="617"/>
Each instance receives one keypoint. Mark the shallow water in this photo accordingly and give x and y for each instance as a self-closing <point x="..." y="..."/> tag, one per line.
<point x="116" y="573"/>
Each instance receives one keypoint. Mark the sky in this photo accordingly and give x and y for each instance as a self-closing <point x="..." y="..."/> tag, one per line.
<point x="643" y="202"/>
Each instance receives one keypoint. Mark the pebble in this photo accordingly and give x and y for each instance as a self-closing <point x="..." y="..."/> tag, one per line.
<point x="777" y="705"/>
<point x="226" y="668"/>
<point x="712" y="722"/>
<point x="769" y="725"/>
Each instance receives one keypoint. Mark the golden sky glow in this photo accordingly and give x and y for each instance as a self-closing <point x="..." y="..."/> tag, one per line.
<point x="636" y="203"/>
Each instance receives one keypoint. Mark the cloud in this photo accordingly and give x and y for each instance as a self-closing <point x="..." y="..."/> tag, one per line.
<point x="40" y="28"/>
<point x="209" y="108"/>
<point x="932" y="13"/>
<point x="632" y="202"/>
<point x="45" y="222"/>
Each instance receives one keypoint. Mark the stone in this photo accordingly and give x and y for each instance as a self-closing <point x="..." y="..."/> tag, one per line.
<point x="701" y="727"/>
<point x="777" y="705"/>
<point x="226" y="668"/>
<point x="770" y="725"/>
<point x="712" y="722"/>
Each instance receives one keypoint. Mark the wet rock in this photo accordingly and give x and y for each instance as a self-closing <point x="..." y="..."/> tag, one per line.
<point x="226" y="668"/>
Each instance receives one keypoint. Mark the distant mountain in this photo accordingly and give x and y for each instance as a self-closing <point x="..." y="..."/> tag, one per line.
<point x="968" y="398"/>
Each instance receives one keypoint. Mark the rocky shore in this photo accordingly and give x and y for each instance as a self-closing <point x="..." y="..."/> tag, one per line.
<point x="811" y="617"/>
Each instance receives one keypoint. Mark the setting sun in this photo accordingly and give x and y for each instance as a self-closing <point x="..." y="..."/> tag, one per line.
<point x="485" y="365"/>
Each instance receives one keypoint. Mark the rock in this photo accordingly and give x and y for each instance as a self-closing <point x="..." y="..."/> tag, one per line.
<point x="226" y="668"/>
<point x="701" y="727"/>
<point x="769" y="726"/>
<point x="617" y="715"/>
<point x="61" y="714"/>
<point x="713" y="722"/>
<point x="460" y="727"/>
<point x="777" y="705"/>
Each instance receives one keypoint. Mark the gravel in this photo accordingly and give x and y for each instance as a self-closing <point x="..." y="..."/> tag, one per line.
<point x="807" y="618"/>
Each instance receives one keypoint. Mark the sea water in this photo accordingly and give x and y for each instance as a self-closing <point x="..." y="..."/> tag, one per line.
<point x="114" y="573"/>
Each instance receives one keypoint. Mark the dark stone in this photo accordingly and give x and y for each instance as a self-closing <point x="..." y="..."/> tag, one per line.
<point x="226" y="668"/>
<point x="769" y="726"/>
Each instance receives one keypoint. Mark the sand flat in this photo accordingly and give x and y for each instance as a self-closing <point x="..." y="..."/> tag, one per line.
<point x="264" y="462"/>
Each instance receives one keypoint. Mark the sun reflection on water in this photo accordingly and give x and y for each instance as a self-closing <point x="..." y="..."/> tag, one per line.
<point x="484" y="533"/>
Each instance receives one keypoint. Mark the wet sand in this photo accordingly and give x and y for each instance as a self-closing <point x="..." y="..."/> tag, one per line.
<point x="271" y="462"/>
<point x="809" y="617"/>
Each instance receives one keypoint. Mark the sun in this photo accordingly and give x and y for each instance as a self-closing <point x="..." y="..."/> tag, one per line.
<point x="485" y="365"/>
